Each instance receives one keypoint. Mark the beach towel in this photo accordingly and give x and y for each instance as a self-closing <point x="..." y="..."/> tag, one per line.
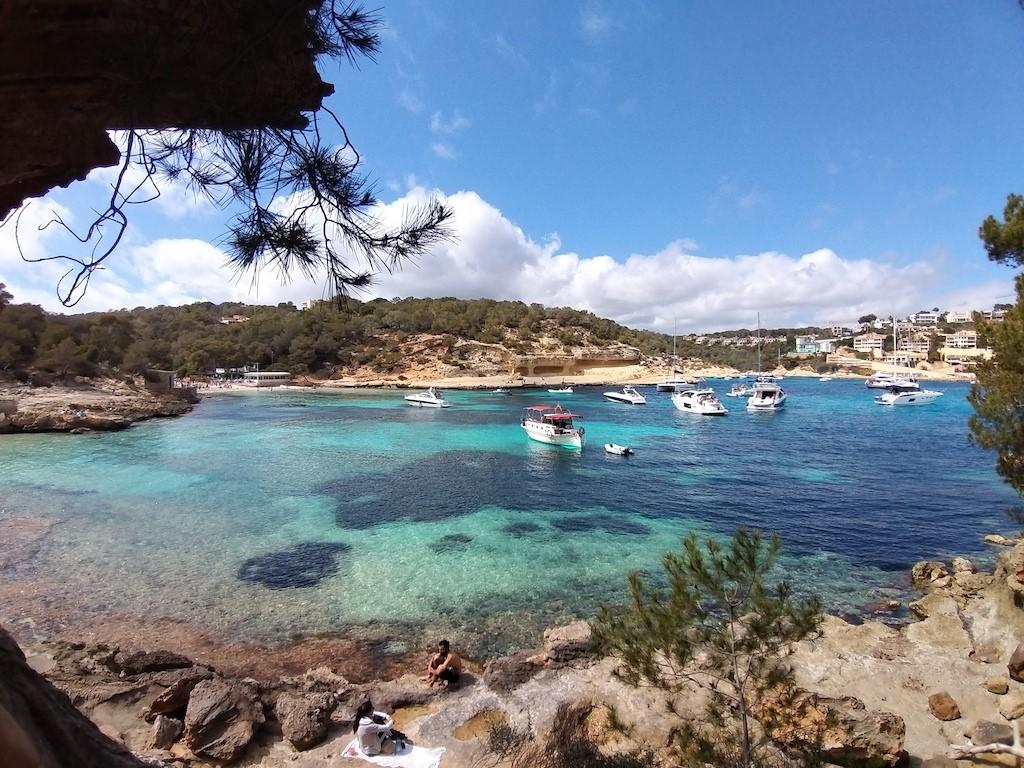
<point x="409" y="757"/>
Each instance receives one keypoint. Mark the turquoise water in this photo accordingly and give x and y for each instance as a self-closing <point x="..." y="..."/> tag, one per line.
<point x="266" y="516"/>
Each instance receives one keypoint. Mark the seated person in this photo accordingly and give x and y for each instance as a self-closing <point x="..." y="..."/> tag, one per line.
<point x="373" y="729"/>
<point x="445" y="666"/>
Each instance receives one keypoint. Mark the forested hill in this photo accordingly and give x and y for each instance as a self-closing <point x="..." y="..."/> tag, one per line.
<point x="322" y="340"/>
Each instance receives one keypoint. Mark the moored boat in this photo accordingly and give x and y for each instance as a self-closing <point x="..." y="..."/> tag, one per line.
<point x="567" y="390"/>
<point x="767" y="396"/>
<point x="553" y="425"/>
<point x="740" y="390"/>
<point x="897" y="396"/>
<point x="429" y="399"/>
<point x="627" y="395"/>
<point x="618" y="450"/>
<point x="702" y="402"/>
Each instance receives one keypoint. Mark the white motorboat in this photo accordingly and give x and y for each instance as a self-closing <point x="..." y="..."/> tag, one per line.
<point x="627" y="395"/>
<point x="553" y="425"/>
<point x="887" y="380"/>
<point x="565" y="389"/>
<point x="897" y="396"/>
<point x="740" y="390"/>
<point x="429" y="399"/>
<point x="676" y="383"/>
<point x="903" y="389"/>
<point x="499" y="391"/>
<point x="767" y="397"/>
<point x="700" y="401"/>
<point x="618" y="450"/>
<point x="826" y="378"/>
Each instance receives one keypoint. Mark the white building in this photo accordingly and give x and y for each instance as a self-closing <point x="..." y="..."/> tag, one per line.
<point x="919" y="342"/>
<point x="962" y="340"/>
<point x="842" y="330"/>
<point x="266" y="378"/>
<point x="232" y="319"/>
<point x="869" y="342"/>
<point x="959" y="316"/>
<point x="925" y="317"/>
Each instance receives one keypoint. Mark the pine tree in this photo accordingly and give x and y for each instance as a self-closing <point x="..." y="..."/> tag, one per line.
<point x="718" y="626"/>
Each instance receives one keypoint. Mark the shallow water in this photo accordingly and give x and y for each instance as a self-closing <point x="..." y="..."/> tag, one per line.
<point x="265" y="516"/>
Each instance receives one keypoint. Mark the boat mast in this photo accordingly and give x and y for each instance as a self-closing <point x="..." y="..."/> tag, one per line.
<point x="758" y="343"/>
<point x="675" y="332"/>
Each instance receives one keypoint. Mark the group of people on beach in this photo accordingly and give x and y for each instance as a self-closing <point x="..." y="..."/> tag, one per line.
<point x="376" y="731"/>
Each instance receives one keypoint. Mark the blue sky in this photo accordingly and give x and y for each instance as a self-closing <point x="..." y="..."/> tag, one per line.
<point x="651" y="161"/>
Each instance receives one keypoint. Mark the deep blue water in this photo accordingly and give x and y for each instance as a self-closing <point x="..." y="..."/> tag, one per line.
<point x="270" y="515"/>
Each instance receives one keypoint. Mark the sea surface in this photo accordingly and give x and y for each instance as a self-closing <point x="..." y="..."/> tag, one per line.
<point x="269" y="516"/>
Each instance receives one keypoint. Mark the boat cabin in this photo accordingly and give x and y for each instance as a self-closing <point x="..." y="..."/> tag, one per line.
<point x="556" y="416"/>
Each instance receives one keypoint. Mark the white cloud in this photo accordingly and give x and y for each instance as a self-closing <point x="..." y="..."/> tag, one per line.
<point x="595" y="24"/>
<point x="492" y="257"/>
<point x="507" y="51"/>
<point x="409" y="101"/>
<point x="442" y="150"/>
<point x="447" y="127"/>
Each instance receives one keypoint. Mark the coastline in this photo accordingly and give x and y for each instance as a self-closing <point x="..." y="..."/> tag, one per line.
<point x="875" y="678"/>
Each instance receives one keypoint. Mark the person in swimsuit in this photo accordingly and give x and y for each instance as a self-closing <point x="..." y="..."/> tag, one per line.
<point x="445" y="666"/>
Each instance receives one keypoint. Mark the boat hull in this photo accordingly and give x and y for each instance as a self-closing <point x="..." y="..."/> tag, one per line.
<point x="620" y="398"/>
<point x="923" y="397"/>
<point x="428" y="404"/>
<point x="572" y="439"/>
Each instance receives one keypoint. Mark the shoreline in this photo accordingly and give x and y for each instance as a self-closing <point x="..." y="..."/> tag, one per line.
<point x="966" y="624"/>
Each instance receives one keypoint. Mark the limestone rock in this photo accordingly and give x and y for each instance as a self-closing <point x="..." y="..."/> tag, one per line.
<point x="166" y="731"/>
<point x="963" y="565"/>
<point x="1016" y="665"/>
<point x="149" y="661"/>
<point x="175" y="698"/>
<point x="221" y="719"/>
<point x="943" y="706"/>
<point x="926" y="572"/>
<point x="987" y="732"/>
<point x="986" y="652"/>
<point x="999" y="539"/>
<point x="842" y="728"/>
<point x="408" y="690"/>
<point x="939" y="761"/>
<point x="1012" y="707"/>
<point x="508" y="672"/>
<point x="572" y="642"/>
<point x="997" y="685"/>
<point x="305" y="717"/>
<point x="41" y="727"/>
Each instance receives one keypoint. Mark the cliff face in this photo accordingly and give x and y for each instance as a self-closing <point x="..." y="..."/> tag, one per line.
<point x="70" y="70"/>
<point x="39" y="726"/>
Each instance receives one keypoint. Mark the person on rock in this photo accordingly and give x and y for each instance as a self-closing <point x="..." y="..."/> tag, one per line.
<point x="445" y="666"/>
<point x="374" y="731"/>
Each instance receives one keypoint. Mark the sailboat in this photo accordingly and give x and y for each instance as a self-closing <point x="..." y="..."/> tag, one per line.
<point x="767" y="395"/>
<point x="904" y="390"/>
<point x="676" y="381"/>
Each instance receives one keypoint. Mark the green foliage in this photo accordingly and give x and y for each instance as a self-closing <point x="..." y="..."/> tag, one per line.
<point x="719" y="626"/>
<point x="863" y="319"/>
<point x="1004" y="241"/>
<point x="998" y="394"/>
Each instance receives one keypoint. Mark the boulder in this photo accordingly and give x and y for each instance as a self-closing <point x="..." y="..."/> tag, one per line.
<point x="924" y="573"/>
<point x="943" y="706"/>
<point x="508" y="672"/>
<point x="987" y="652"/>
<point x="842" y="730"/>
<point x="570" y="643"/>
<point x="999" y="539"/>
<point x="997" y="685"/>
<point x="1012" y="707"/>
<point x="987" y="732"/>
<point x="175" y="698"/>
<point x="305" y="717"/>
<point x="939" y="761"/>
<point x="221" y="719"/>
<point x="963" y="565"/>
<point x="408" y="690"/>
<point x="166" y="731"/>
<point x="149" y="661"/>
<point x="1016" y="664"/>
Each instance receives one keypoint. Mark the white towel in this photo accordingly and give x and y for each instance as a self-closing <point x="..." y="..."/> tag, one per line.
<point x="410" y="757"/>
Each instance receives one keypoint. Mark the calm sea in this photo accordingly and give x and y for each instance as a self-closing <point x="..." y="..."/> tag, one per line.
<point x="268" y="516"/>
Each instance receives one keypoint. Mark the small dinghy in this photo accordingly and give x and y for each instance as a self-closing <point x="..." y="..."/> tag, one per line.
<point x="618" y="450"/>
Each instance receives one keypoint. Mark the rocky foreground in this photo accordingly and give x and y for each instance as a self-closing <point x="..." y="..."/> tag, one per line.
<point x="86" y="406"/>
<point x="870" y="694"/>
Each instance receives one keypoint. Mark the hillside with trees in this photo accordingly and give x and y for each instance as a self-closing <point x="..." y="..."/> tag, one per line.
<point x="330" y="338"/>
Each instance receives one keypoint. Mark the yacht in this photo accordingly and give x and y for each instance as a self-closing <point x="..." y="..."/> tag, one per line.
<point x="552" y="425"/>
<point x="888" y="380"/>
<point x="826" y="377"/>
<point x="897" y="396"/>
<point x="676" y="383"/>
<point x="903" y="389"/>
<point x="565" y="389"/>
<point x="429" y="399"/>
<point x="627" y="395"/>
<point x="699" y="401"/>
<point x="767" y="396"/>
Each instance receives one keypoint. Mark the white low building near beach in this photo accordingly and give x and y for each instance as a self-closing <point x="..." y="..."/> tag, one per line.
<point x="266" y="378"/>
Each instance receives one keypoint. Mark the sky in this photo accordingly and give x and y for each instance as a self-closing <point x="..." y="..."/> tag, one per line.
<point x="664" y="164"/>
